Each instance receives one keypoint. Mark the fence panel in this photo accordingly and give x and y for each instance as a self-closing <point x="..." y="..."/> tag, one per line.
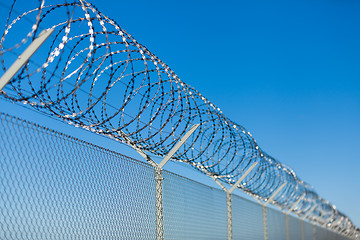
<point x="320" y="234"/>
<point x="193" y="210"/>
<point x="53" y="186"/>
<point x="294" y="228"/>
<point x="247" y="219"/>
<point x="276" y="225"/>
<point x="336" y="236"/>
<point x="56" y="187"/>
<point x="332" y="236"/>
<point x="308" y="231"/>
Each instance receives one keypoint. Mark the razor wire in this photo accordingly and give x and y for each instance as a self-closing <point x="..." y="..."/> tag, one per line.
<point x="92" y="74"/>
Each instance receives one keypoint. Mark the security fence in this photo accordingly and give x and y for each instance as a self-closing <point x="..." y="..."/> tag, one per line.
<point x="68" y="60"/>
<point x="54" y="186"/>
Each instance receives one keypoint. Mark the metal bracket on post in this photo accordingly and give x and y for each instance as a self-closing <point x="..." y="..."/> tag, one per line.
<point x="158" y="175"/>
<point x="229" y="198"/>
<point x="274" y="194"/>
<point x="140" y="151"/>
<point x="265" y="210"/>
<point x="295" y="204"/>
<point x="24" y="57"/>
<point x="327" y="220"/>
<point x="178" y="145"/>
<point x="310" y="211"/>
<point x="242" y="177"/>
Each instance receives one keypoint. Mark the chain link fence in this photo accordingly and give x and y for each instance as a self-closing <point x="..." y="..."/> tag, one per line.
<point x="54" y="186"/>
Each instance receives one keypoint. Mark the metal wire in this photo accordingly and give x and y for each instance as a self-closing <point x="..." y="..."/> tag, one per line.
<point x="187" y="213"/>
<point x="93" y="74"/>
<point x="77" y="190"/>
<point x="70" y="190"/>
<point x="276" y="222"/>
<point x="247" y="219"/>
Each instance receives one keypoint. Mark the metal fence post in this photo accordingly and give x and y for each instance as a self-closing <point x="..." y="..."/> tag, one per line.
<point x="159" y="204"/>
<point x="229" y="215"/>
<point x="158" y="176"/>
<point x="314" y="232"/>
<point x="265" y="222"/>
<point x="229" y="197"/>
<point x="271" y="198"/>
<point x="310" y="211"/>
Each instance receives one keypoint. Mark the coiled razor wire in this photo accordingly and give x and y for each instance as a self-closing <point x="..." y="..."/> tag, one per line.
<point x="93" y="74"/>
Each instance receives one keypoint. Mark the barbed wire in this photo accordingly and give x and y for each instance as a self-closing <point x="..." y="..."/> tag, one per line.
<point x="92" y="74"/>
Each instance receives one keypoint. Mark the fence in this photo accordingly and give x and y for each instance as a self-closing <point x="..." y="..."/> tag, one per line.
<point x="54" y="186"/>
<point x="75" y="63"/>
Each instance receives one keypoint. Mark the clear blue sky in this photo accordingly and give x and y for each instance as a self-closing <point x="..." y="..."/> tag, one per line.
<point x="288" y="71"/>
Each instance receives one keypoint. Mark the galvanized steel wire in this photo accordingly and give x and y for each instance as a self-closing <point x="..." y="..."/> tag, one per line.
<point x="71" y="190"/>
<point x="93" y="74"/>
<point x="77" y="190"/>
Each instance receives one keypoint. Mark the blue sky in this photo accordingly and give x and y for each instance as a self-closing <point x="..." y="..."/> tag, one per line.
<point x="288" y="71"/>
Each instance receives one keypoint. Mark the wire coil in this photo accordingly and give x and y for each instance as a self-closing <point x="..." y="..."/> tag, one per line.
<point x="93" y="74"/>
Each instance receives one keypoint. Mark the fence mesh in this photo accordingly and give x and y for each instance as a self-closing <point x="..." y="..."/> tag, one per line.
<point x="193" y="210"/>
<point x="308" y="231"/>
<point x="276" y="224"/>
<point x="57" y="187"/>
<point x="247" y="219"/>
<point x="294" y="228"/>
<point x="321" y="233"/>
<point x="53" y="186"/>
